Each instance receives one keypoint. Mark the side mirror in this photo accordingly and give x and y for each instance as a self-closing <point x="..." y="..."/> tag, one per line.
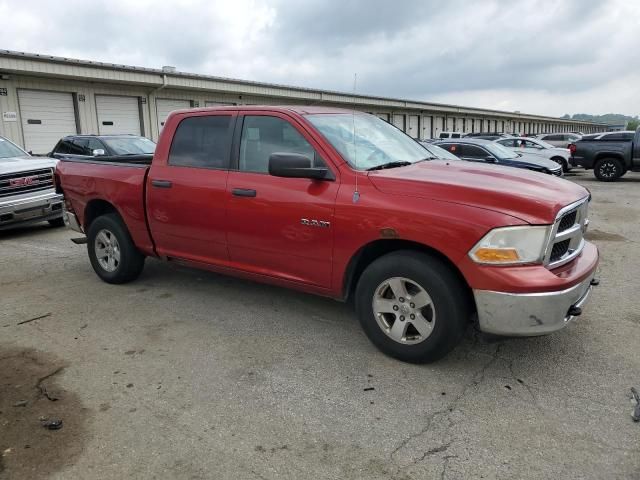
<point x="295" y="165"/>
<point x="490" y="159"/>
<point x="97" y="152"/>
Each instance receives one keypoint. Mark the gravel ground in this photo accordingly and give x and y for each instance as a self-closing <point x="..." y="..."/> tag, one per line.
<point x="185" y="374"/>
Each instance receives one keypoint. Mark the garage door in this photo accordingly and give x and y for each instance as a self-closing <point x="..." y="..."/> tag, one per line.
<point x="413" y="126"/>
<point x="46" y="117"/>
<point x="165" y="106"/>
<point x="383" y="116"/>
<point x="118" y="115"/>
<point x="398" y="121"/>
<point x="426" y="127"/>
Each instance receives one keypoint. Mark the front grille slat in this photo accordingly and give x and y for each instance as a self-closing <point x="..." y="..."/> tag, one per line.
<point x="565" y="245"/>
<point x="41" y="179"/>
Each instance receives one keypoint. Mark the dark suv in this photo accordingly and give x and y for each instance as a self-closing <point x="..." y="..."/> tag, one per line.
<point x="486" y="151"/>
<point x="102" y="145"/>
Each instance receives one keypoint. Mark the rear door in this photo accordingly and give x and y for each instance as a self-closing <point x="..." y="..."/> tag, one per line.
<point x="267" y="233"/>
<point x="186" y="189"/>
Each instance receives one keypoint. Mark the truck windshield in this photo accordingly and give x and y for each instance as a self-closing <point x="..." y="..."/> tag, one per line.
<point x="376" y="142"/>
<point x="130" y="145"/>
<point x="8" y="150"/>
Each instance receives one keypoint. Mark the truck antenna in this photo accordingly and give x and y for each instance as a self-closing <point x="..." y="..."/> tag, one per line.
<point x="356" y="193"/>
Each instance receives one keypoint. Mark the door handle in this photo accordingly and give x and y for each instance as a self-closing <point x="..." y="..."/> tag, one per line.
<point x="243" y="192"/>
<point x="161" y="183"/>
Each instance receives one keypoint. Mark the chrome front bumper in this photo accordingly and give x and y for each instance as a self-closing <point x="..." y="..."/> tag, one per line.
<point x="71" y="221"/>
<point x="530" y="314"/>
<point x="24" y="210"/>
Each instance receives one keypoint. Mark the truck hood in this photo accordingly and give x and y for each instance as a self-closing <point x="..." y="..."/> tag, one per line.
<point x="23" y="164"/>
<point x="532" y="197"/>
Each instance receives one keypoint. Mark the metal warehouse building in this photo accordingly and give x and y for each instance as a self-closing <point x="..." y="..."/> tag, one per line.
<point x="43" y="98"/>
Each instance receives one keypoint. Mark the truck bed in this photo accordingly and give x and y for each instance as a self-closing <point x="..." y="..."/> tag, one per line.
<point x="88" y="183"/>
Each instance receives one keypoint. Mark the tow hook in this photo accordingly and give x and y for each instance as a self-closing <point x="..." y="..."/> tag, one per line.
<point x="595" y="282"/>
<point x="575" y="311"/>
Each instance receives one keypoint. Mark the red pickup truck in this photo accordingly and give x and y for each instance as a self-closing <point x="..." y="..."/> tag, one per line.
<point x="344" y="205"/>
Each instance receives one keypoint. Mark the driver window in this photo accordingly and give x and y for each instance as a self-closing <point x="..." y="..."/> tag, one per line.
<point x="264" y="135"/>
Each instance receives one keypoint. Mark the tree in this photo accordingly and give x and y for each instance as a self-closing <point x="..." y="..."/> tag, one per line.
<point x="633" y="124"/>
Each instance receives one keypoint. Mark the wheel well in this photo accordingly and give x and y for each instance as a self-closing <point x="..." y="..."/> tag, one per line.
<point x="95" y="209"/>
<point x="602" y="156"/>
<point x="563" y="160"/>
<point x="376" y="249"/>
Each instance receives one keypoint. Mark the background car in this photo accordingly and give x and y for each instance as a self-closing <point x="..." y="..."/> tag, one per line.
<point x="102" y="145"/>
<point x="486" y="151"/>
<point x="536" y="146"/>
<point x="438" y="152"/>
<point x="494" y="135"/>
<point x="559" y="139"/>
<point x="27" y="191"/>
<point x="450" y="135"/>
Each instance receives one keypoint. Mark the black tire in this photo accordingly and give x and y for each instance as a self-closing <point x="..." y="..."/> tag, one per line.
<point x="449" y="302"/>
<point x="562" y="162"/>
<point x="131" y="261"/>
<point x="608" y="169"/>
<point x="56" y="222"/>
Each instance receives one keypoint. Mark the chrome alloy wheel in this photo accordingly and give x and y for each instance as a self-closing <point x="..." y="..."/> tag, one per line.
<point x="404" y="310"/>
<point x="107" y="250"/>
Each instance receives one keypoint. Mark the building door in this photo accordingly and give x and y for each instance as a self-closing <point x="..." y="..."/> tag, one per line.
<point x="413" y="130"/>
<point x="45" y="117"/>
<point x="118" y="115"/>
<point x="398" y="121"/>
<point x="165" y="106"/>
<point x="426" y="128"/>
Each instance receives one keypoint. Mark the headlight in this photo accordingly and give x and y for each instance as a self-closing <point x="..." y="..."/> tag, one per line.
<point x="511" y="245"/>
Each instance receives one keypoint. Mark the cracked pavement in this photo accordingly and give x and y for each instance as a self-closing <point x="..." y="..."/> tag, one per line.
<point x="185" y="374"/>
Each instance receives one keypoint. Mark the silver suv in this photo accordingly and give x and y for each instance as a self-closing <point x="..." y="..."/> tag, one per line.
<point x="560" y="139"/>
<point x="27" y="190"/>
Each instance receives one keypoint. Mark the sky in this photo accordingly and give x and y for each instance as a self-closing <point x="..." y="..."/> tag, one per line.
<point x="534" y="56"/>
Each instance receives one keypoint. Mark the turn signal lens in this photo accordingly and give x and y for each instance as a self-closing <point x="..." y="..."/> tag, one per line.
<point x="497" y="255"/>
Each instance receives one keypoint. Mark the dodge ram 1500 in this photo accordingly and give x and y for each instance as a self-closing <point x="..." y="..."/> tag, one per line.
<point x="344" y="205"/>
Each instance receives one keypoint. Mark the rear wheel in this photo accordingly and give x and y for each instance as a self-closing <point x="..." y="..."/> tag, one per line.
<point x="412" y="306"/>
<point x="608" y="169"/>
<point x="112" y="253"/>
<point x="562" y="162"/>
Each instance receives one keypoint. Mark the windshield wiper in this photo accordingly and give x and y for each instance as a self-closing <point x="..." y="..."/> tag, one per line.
<point x="402" y="163"/>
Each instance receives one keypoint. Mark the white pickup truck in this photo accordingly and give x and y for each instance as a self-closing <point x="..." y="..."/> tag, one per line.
<point x="27" y="190"/>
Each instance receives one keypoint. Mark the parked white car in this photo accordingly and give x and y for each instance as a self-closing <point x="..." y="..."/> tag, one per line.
<point x="559" y="139"/>
<point x="536" y="146"/>
<point x="27" y="190"/>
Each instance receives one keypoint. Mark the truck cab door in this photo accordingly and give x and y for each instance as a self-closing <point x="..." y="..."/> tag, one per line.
<point x="279" y="227"/>
<point x="186" y="187"/>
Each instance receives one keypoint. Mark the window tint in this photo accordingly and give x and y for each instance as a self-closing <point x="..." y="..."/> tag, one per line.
<point x="262" y="136"/>
<point x="86" y="146"/>
<point x="63" y="147"/>
<point x="451" y="147"/>
<point x="509" y="142"/>
<point x="618" y="136"/>
<point x="473" y="152"/>
<point x="201" y="142"/>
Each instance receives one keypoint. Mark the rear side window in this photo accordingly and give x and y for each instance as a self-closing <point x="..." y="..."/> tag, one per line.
<point x="554" y="137"/>
<point x="202" y="142"/>
<point x="509" y="142"/>
<point x="618" y="137"/>
<point x="68" y="147"/>
<point x="451" y="147"/>
<point x="473" y="152"/>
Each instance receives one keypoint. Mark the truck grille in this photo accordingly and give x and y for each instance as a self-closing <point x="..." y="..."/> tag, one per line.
<point x="567" y="235"/>
<point x="24" y="182"/>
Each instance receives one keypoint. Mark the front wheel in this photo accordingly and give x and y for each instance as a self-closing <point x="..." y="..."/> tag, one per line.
<point x="112" y="253"/>
<point x="412" y="306"/>
<point x="608" y="169"/>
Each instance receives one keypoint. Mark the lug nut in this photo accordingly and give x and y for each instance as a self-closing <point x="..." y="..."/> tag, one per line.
<point x="412" y="305"/>
<point x="402" y="318"/>
<point x="401" y="299"/>
<point x="412" y="316"/>
<point x="395" y="307"/>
